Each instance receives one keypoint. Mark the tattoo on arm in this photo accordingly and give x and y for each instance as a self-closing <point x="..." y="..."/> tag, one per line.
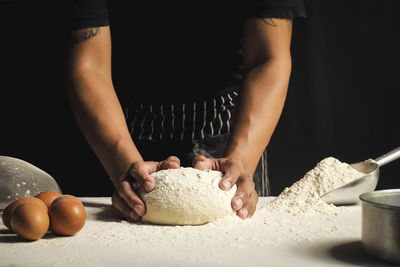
<point x="78" y="36"/>
<point x="269" y="21"/>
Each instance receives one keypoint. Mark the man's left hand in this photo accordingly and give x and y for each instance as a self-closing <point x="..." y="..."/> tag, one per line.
<point x="245" y="200"/>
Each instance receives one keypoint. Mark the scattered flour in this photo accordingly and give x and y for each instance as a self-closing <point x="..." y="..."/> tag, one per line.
<point x="297" y="217"/>
<point x="190" y="196"/>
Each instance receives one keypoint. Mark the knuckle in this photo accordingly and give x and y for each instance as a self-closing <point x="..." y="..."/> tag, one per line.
<point x="139" y="170"/>
<point x="255" y="197"/>
<point x="243" y="193"/>
<point x="123" y="188"/>
<point x="252" y="184"/>
<point x="131" y="199"/>
<point x="234" y="163"/>
<point x="136" y="219"/>
<point x="253" y="202"/>
<point x="133" y="167"/>
<point x="119" y="188"/>
<point x="248" y="177"/>
<point x="136" y="169"/>
<point x="172" y="158"/>
<point x="228" y="165"/>
<point x="114" y="198"/>
<point x="246" y="180"/>
<point x="199" y="158"/>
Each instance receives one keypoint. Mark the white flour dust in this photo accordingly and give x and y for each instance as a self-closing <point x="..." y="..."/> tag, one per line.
<point x="305" y="194"/>
<point x="296" y="216"/>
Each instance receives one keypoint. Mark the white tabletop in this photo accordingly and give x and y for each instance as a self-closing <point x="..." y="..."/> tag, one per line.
<point x="106" y="241"/>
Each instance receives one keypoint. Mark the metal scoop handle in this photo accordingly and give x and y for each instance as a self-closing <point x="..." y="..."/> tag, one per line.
<point x="388" y="157"/>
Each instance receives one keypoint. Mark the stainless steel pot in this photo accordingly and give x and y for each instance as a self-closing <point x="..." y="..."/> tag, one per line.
<point x="381" y="224"/>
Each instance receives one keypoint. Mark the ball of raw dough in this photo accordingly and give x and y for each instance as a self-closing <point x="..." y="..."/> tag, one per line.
<point x="187" y="196"/>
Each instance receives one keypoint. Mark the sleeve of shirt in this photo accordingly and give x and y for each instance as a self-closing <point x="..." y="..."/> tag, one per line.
<point x="88" y="13"/>
<point x="275" y="9"/>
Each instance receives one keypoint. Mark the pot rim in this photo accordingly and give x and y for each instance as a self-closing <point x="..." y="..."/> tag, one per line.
<point x="369" y="196"/>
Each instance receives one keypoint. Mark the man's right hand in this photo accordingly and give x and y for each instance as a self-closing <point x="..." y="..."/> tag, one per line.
<point x="126" y="202"/>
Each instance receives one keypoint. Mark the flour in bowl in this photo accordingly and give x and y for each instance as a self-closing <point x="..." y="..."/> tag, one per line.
<point x="305" y="194"/>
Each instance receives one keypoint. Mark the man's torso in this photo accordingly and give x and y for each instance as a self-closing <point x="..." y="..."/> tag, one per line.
<point x="169" y="53"/>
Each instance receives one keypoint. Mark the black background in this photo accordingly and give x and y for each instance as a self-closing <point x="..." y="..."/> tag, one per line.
<point x="342" y="99"/>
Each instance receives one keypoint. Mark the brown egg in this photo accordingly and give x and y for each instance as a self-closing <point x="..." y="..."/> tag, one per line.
<point x="30" y="221"/>
<point x="11" y="207"/>
<point x="70" y="197"/>
<point x="48" y="197"/>
<point x="67" y="215"/>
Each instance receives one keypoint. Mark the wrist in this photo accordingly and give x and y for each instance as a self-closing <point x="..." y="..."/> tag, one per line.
<point x="120" y="159"/>
<point x="244" y="154"/>
<point x="241" y="162"/>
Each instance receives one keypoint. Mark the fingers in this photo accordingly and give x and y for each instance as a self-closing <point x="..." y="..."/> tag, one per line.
<point x="126" y="202"/>
<point x="126" y="191"/>
<point x="249" y="207"/>
<point x="171" y="162"/>
<point x="121" y="209"/>
<point x="140" y="172"/>
<point x="232" y="172"/>
<point x="245" y="200"/>
<point x="245" y="186"/>
<point x="202" y="163"/>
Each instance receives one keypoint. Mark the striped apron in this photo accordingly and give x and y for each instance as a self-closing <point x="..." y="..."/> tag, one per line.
<point x="188" y="129"/>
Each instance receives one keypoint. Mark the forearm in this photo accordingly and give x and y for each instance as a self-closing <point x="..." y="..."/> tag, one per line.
<point x="101" y="120"/>
<point x="261" y="101"/>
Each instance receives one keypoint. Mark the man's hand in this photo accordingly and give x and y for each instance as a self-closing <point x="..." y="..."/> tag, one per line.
<point x="126" y="202"/>
<point x="245" y="200"/>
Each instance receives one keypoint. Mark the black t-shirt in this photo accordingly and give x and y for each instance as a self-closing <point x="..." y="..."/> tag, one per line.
<point x="170" y="52"/>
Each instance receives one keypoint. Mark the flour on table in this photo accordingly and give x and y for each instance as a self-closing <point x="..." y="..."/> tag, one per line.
<point x="190" y="196"/>
<point x="296" y="218"/>
<point x="305" y="194"/>
<point x="187" y="196"/>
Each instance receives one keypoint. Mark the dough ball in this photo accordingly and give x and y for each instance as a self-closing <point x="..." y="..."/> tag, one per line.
<point x="187" y="196"/>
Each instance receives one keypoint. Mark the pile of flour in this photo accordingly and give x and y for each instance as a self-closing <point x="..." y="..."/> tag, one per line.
<point x="296" y="216"/>
<point x="305" y="194"/>
<point x="190" y="196"/>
